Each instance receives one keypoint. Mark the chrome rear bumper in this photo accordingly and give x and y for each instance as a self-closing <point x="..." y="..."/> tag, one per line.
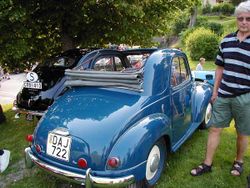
<point x="88" y="180"/>
<point x="24" y="111"/>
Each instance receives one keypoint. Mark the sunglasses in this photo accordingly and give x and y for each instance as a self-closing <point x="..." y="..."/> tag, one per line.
<point x="241" y="19"/>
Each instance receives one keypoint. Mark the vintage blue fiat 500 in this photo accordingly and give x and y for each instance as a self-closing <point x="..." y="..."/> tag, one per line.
<point x="116" y="128"/>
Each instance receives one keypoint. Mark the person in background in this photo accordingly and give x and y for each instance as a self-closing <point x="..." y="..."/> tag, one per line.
<point x="199" y="67"/>
<point x="4" y="159"/>
<point x="231" y="93"/>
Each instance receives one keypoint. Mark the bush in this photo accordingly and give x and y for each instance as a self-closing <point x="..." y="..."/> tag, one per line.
<point x="223" y="8"/>
<point x="185" y="34"/>
<point x="207" y="9"/>
<point x="227" y="8"/>
<point x="202" y="43"/>
<point x="216" y="9"/>
<point x="217" y="28"/>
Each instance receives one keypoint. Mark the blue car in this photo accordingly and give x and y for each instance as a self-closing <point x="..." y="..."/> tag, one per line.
<point x="206" y="76"/>
<point x="116" y="128"/>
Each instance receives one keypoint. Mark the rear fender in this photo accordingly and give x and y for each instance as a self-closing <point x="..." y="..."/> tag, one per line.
<point x="133" y="147"/>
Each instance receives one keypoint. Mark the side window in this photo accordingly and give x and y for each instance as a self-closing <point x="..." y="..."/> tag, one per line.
<point x="108" y="63"/>
<point x="179" y="71"/>
<point x="175" y="72"/>
<point x="183" y="70"/>
<point x="104" y="64"/>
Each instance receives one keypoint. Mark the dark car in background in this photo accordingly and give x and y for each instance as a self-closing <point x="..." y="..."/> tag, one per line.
<point x="45" y="82"/>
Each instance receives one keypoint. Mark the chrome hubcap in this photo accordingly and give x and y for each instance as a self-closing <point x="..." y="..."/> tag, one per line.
<point x="208" y="113"/>
<point x="153" y="162"/>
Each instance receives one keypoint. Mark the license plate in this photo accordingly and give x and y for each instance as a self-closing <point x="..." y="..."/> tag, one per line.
<point x="59" y="146"/>
<point x="32" y="85"/>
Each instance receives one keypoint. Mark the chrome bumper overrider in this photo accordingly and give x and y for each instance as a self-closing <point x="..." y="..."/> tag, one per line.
<point x="88" y="180"/>
<point x="31" y="112"/>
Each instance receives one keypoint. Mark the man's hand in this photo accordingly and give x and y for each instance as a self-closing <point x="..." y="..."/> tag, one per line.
<point x="214" y="96"/>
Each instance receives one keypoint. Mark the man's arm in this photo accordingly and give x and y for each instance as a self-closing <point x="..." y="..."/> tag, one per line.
<point x="218" y="77"/>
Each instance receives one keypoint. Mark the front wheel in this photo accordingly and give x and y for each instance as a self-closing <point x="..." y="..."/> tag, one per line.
<point x="208" y="114"/>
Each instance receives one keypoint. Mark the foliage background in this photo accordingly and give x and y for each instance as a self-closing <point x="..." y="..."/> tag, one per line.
<point x="31" y="30"/>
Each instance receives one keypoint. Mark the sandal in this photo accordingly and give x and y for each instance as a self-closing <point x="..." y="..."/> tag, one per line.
<point x="237" y="167"/>
<point x="201" y="169"/>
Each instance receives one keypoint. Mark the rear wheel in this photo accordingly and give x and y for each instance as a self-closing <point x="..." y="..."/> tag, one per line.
<point x="154" y="167"/>
<point x="155" y="163"/>
<point x="207" y="118"/>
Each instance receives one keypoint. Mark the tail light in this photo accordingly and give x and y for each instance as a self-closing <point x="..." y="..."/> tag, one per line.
<point x="29" y="137"/>
<point x="113" y="162"/>
<point x="82" y="163"/>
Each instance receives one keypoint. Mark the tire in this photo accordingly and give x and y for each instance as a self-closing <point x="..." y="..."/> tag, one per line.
<point x="139" y="184"/>
<point x="208" y="114"/>
<point x="155" y="163"/>
<point x="158" y="152"/>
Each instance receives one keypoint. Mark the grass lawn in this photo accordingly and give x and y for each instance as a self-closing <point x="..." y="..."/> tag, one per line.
<point x="220" y="19"/>
<point x="176" y="173"/>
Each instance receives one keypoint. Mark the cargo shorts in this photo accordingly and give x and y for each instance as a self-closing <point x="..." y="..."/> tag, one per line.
<point x="237" y="108"/>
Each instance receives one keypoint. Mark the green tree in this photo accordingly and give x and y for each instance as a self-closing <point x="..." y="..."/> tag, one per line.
<point x="33" y="29"/>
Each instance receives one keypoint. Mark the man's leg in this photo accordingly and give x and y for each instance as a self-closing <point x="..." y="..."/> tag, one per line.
<point x="212" y="144"/>
<point x="242" y="143"/>
<point x="241" y="111"/>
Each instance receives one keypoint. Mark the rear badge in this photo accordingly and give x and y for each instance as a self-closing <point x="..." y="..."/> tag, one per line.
<point x="32" y="77"/>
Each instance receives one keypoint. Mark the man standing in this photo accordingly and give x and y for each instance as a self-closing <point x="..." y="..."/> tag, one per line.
<point x="231" y="94"/>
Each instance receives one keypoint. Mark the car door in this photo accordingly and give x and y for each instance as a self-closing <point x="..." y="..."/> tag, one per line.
<point x="180" y="98"/>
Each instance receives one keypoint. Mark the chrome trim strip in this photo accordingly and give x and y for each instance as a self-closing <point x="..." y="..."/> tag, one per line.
<point x="92" y="181"/>
<point x="89" y="180"/>
<point x="52" y="169"/>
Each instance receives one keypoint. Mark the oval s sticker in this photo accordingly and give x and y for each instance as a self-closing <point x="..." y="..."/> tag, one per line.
<point x="32" y="77"/>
